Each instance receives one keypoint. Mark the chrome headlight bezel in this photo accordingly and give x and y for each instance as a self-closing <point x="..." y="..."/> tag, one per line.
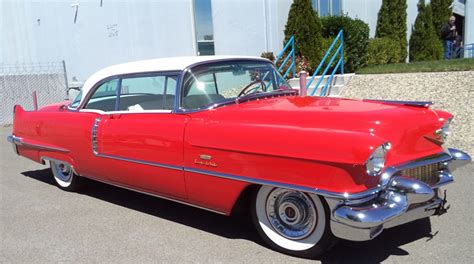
<point x="444" y="132"/>
<point x="376" y="161"/>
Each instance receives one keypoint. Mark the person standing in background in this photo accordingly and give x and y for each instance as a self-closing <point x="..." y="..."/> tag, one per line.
<point x="449" y="34"/>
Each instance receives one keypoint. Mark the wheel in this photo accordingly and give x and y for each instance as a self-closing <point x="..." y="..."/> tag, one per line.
<point x="292" y="222"/>
<point x="65" y="177"/>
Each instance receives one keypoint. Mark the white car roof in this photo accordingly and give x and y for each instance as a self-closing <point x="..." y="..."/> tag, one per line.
<point x="161" y="64"/>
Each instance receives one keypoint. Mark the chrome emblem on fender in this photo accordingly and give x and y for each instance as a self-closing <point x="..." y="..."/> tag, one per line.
<point x="205" y="160"/>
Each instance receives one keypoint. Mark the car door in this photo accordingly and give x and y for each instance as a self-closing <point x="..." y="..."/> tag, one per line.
<point x="140" y="142"/>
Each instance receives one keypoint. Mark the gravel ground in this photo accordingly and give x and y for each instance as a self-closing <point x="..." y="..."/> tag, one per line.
<point x="450" y="91"/>
<point x="39" y="223"/>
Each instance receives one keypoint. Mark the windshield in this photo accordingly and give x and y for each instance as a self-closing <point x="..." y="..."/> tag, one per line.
<point x="76" y="101"/>
<point x="218" y="82"/>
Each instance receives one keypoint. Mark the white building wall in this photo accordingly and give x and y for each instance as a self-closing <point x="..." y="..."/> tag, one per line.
<point x="114" y="33"/>
<point x="469" y="23"/>
<point x="249" y="27"/>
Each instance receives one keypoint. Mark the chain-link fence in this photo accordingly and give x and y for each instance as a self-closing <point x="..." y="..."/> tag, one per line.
<point x="18" y="82"/>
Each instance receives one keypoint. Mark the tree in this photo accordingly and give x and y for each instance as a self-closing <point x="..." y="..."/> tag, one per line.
<point x="441" y="12"/>
<point x="392" y="23"/>
<point x="303" y="22"/>
<point x="424" y="42"/>
<point x="384" y="25"/>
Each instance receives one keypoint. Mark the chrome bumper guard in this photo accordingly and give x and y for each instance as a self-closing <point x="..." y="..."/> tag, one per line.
<point x="402" y="200"/>
<point x="14" y="141"/>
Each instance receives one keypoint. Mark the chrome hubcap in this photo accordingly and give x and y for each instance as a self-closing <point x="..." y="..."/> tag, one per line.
<point x="64" y="171"/>
<point x="292" y="214"/>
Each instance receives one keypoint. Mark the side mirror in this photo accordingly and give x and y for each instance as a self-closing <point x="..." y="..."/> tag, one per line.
<point x="74" y="94"/>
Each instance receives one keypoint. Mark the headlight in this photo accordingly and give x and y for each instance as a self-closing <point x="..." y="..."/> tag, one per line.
<point x="376" y="161"/>
<point x="443" y="132"/>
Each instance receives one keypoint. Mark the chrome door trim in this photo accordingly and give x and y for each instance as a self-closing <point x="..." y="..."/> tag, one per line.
<point x="95" y="126"/>
<point x="154" y="164"/>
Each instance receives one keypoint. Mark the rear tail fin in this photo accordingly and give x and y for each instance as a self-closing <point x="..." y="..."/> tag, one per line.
<point x="17" y="109"/>
<point x="17" y="113"/>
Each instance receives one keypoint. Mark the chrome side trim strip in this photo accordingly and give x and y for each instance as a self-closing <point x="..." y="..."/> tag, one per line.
<point x="336" y="195"/>
<point x="20" y="142"/>
<point x="154" y="164"/>
<point x="159" y="196"/>
<point x="241" y="178"/>
<point x="253" y="180"/>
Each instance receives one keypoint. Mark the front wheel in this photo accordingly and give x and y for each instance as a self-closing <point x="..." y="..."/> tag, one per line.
<point x="292" y="222"/>
<point x="65" y="177"/>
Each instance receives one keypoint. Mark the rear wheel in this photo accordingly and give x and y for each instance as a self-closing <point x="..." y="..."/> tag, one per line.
<point x="292" y="222"/>
<point x="65" y="177"/>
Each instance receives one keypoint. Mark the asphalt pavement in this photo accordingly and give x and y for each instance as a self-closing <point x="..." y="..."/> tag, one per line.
<point x="39" y="223"/>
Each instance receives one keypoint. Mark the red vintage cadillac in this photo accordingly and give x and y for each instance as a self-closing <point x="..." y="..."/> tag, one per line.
<point x="209" y="131"/>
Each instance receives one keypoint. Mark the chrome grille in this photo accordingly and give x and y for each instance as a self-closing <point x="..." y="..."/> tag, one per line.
<point x="427" y="173"/>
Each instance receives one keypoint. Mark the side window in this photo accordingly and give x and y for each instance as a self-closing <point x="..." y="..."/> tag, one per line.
<point x="104" y="97"/>
<point x="147" y="93"/>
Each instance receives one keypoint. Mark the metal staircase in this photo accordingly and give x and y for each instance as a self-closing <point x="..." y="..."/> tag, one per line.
<point x="324" y="81"/>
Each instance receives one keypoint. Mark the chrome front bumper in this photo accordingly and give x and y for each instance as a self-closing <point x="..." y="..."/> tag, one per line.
<point x="401" y="200"/>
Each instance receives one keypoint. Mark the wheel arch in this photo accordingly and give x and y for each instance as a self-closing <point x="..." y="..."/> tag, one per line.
<point x="58" y="157"/>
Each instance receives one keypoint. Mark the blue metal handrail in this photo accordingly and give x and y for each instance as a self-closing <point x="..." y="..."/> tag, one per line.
<point x="340" y="64"/>
<point x="467" y="51"/>
<point x="290" y="44"/>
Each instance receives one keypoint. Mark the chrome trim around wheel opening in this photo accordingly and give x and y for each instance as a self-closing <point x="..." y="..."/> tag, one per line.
<point x="18" y="141"/>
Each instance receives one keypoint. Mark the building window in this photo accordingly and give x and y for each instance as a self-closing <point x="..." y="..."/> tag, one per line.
<point x="327" y="7"/>
<point x="204" y="29"/>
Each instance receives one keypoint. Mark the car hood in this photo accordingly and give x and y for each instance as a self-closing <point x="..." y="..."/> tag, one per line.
<point x="323" y="128"/>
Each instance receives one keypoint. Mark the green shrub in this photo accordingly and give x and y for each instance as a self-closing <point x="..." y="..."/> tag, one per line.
<point x="325" y="46"/>
<point x="383" y="51"/>
<point x="268" y="55"/>
<point x="305" y="25"/>
<point x="424" y="41"/>
<point x="356" y="37"/>
<point x="392" y="23"/>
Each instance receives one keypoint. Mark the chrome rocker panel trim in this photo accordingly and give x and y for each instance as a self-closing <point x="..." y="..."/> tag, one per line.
<point x="401" y="201"/>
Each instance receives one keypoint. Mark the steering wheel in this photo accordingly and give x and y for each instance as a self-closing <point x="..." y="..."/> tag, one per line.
<point x="246" y="89"/>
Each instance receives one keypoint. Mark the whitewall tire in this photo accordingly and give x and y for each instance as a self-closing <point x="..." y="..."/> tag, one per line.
<point x="292" y="222"/>
<point x="65" y="177"/>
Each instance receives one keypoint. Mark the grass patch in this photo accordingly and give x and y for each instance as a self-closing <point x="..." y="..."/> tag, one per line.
<point x="422" y="66"/>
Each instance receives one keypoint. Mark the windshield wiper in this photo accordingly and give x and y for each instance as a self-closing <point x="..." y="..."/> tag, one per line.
<point x="251" y="96"/>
